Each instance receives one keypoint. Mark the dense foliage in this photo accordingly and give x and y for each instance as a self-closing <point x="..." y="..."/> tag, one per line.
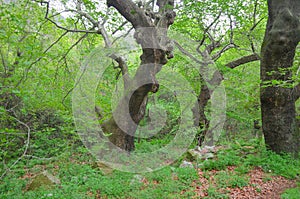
<point x="39" y="61"/>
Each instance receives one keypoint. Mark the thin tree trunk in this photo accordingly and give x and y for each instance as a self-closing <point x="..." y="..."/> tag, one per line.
<point x="200" y="118"/>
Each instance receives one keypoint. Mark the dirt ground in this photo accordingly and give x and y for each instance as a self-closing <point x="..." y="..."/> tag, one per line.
<point x="258" y="187"/>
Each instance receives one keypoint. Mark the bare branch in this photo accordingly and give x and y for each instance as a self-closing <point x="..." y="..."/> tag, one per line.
<point x="104" y="34"/>
<point x="83" y="14"/>
<point x="256" y="24"/>
<point x="123" y="35"/>
<point x="55" y="42"/>
<point x="253" y="27"/>
<point x="24" y="76"/>
<point x="254" y="12"/>
<point x="71" y="30"/>
<point x="243" y="60"/>
<point x="218" y="54"/>
<point x="75" y="44"/>
<point x="231" y="30"/>
<point x="35" y="157"/>
<point x="123" y="69"/>
<point x="122" y="64"/>
<point x="121" y="26"/>
<point x="207" y="29"/>
<point x="64" y="28"/>
<point x="25" y="150"/>
<point x="214" y="44"/>
<point x="187" y="53"/>
<point x="135" y="15"/>
<point x="250" y="36"/>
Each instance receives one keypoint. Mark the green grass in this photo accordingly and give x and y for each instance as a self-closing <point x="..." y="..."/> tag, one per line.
<point x="213" y="193"/>
<point x="247" y="155"/>
<point x="228" y="179"/>
<point x="291" y="193"/>
<point x="81" y="177"/>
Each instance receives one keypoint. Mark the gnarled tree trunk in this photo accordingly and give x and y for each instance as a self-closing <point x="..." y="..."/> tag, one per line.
<point x="277" y="101"/>
<point x="151" y="34"/>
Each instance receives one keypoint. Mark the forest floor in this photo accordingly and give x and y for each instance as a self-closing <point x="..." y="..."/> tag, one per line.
<point x="237" y="171"/>
<point x="260" y="185"/>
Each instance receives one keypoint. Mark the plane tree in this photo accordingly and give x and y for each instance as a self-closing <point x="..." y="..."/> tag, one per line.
<point x="150" y="33"/>
<point x="279" y="91"/>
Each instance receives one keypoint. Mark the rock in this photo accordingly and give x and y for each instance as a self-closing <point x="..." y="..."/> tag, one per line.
<point x="44" y="179"/>
<point x="137" y="178"/>
<point x="209" y="156"/>
<point x="186" y="164"/>
<point x="174" y="176"/>
<point x="105" y="169"/>
<point x="149" y="169"/>
<point x="208" y="149"/>
<point x="193" y="154"/>
<point x="173" y="169"/>
<point x="197" y="154"/>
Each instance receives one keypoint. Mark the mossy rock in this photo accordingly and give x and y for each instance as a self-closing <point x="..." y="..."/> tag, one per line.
<point x="45" y="180"/>
<point x="193" y="155"/>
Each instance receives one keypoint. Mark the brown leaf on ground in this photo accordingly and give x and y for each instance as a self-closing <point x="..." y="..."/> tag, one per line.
<point x="260" y="186"/>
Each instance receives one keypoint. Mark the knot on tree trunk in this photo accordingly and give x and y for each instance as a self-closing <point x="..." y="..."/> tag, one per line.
<point x="170" y="16"/>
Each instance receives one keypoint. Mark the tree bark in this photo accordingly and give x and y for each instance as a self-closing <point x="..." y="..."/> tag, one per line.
<point x="148" y="34"/>
<point x="200" y="118"/>
<point x="297" y="92"/>
<point x="277" y="102"/>
<point x="243" y="60"/>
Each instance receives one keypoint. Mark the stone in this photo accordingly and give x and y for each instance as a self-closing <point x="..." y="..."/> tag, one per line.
<point x="209" y="156"/>
<point x="186" y="164"/>
<point x="193" y="154"/>
<point x="45" y="180"/>
<point x="105" y="169"/>
<point x="137" y="179"/>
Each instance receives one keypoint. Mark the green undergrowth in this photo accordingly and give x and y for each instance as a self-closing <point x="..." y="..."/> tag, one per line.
<point x="246" y="155"/>
<point x="80" y="177"/>
<point x="293" y="193"/>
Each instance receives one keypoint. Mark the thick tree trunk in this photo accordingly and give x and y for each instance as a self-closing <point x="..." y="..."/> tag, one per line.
<point x="131" y="108"/>
<point x="278" y="102"/>
<point x="151" y="34"/>
<point x="122" y="135"/>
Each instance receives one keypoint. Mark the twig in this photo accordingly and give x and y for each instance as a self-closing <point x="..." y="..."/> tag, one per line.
<point x="64" y="28"/>
<point x="35" y="157"/>
<point x="75" y="44"/>
<point x="3" y="63"/>
<point x="206" y="30"/>
<point x="25" y="150"/>
<point x="121" y="26"/>
<point x="187" y="53"/>
<point x="55" y="42"/>
<point x="127" y="33"/>
<point x="24" y="76"/>
<point x="76" y="83"/>
<point x="224" y="49"/>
